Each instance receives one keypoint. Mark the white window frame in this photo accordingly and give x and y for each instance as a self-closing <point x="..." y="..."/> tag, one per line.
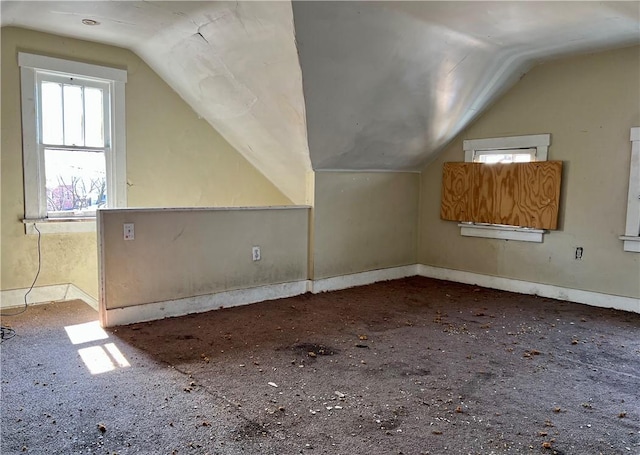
<point x="631" y="237"/>
<point x="35" y="201"/>
<point x="538" y="146"/>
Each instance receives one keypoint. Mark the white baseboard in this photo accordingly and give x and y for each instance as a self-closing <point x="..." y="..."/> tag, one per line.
<point x="201" y="303"/>
<point x="44" y="294"/>
<point x="360" y="279"/>
<point x="526" y="287"/>
<point x="158" y="310"/>
<point x="75" y="292"/>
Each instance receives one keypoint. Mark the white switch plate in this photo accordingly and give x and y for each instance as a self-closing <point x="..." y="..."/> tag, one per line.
<point x="128" y="231"/>
<point x="255" y="253"/>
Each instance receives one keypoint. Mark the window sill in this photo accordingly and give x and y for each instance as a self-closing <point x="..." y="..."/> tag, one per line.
<point x="59" y="225"/>
<point x="631" y="243"/>
<point x="490" y="231"/>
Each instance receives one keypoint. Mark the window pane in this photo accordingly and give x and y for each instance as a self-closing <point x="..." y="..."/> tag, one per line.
<point x="93" y="117"/>
<point x="490" y="158"/>
<point x="521" y="158"/>
<point x="73" y="113"/>
<point x="75" y="180"/>
<point x="51" y="113"/>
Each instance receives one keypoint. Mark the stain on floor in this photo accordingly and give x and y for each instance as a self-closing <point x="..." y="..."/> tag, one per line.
<point x="411" y="366"/>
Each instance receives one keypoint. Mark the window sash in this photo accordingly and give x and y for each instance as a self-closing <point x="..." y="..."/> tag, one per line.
<point x="105" y="86"/>
<point x="532" y="152"/>
<point x="33" y="66"/>
<point x="74" y="212"/>
<point x="539" y="143"/>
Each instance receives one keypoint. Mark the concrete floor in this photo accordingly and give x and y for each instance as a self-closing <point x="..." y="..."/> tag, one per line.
<point x="413" y="366"/>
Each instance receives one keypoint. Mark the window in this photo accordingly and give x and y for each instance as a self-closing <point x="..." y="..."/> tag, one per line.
<point x="505" y="156"/>
<point x="515" y="149"/>
<point x="631" y="237"/>
<point x="73" y="139"/>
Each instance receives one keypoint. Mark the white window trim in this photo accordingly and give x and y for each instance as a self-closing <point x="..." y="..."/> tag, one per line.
<point x="541" y="143"/>
<point x="631" y="237"/>
<point x="60" y="226"/>
<point x="33" y="163"/>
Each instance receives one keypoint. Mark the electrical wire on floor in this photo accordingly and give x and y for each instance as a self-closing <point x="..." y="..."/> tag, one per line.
<point x="7" y="333"/>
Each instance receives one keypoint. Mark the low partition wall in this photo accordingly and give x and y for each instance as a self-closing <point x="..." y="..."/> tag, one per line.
<point x="181" y="261"/>
<point x="186" y="260"/>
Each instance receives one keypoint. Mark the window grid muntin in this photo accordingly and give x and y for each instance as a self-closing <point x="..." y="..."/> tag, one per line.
<point x="70" y="79"/>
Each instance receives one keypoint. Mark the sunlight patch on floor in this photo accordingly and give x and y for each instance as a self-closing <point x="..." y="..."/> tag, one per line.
<point x="84" y="333"/>
<point x="100" y="358"/>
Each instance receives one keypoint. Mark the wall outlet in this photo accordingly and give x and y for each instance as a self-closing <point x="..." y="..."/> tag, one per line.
<point x="128" y="231"/>
<point x="255" y="253"/>
<point x="579" y="251"/>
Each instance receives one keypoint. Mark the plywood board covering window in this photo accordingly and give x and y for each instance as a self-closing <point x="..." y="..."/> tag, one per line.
<point x="516" y="194"/>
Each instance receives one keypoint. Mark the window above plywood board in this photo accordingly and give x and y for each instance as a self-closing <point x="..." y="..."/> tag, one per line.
<point x="516" y="195"/>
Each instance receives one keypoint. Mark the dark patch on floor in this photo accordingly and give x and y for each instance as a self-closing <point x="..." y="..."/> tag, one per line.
<point x="313" y="350"/>
<point x="412" y="366"/>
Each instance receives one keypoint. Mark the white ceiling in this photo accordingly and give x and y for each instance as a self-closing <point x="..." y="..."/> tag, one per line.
<point x="386" y="84"/>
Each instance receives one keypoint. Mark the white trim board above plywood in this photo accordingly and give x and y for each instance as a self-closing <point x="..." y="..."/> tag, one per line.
<point x="14" y="298"/>
<point x="526" y="287"/>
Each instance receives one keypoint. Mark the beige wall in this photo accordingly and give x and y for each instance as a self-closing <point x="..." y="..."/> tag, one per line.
<point x="588" y="104"/>
<point x="173" y="159"/>
<point x="186" y="253"/>
<point x="364" y="221"/>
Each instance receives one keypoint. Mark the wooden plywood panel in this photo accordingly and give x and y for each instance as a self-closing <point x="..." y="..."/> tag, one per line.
<point x="456" y="182"/>
<point x="495" y="194"/>
<point x="520" y="194"/>
<point x="540" y="193"/>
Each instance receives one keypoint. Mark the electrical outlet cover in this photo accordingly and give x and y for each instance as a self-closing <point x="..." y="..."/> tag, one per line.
<point x="129" y="233"/>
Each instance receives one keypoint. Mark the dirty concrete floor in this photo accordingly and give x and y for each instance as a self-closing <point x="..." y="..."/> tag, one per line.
<point x="412" y="366"/>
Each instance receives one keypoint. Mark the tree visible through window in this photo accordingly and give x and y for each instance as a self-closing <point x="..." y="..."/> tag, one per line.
<point x="73" y="137"/>
<point x="73" y="123"/>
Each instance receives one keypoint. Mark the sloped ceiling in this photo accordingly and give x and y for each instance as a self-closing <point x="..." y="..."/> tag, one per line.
<point x="234" y="63"/>
<point x="374" y="85"/>
<point x="389" y="84"/>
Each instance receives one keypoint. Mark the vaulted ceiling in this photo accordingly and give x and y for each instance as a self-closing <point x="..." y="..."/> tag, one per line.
<point x="338" y="85"/>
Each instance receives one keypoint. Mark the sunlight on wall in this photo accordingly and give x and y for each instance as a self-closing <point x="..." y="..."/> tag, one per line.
<point x="98" y="359"/>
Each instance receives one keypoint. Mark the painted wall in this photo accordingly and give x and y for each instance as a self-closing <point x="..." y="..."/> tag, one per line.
<point x="588" y="104"/>
<point x="236" y="64"/>
<point x="437" y="65"/>
<point x="186" y="253"/>
<point x="173" y="159"/>
<point x="364" y="221"/>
